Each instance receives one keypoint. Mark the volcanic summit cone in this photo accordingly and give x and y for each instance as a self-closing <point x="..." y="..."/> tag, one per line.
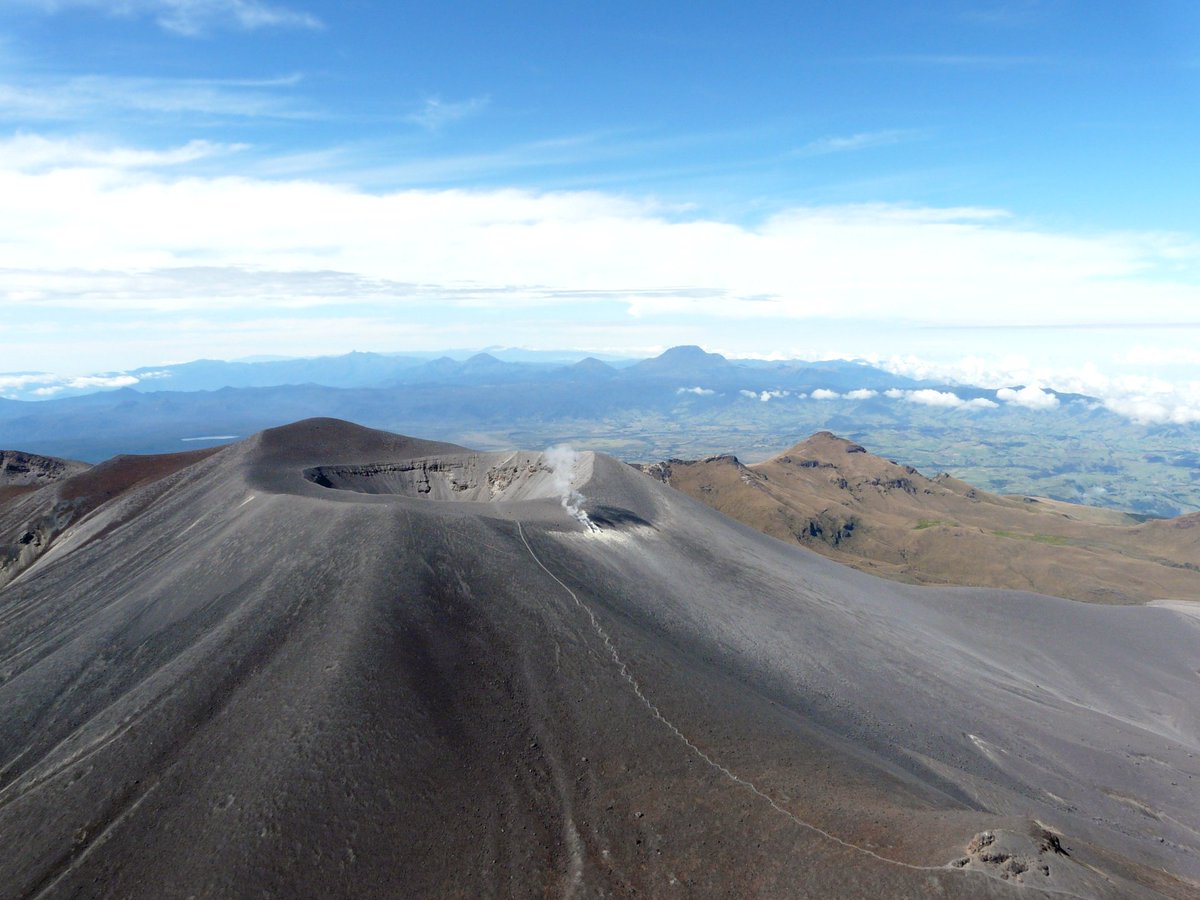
<point x="337" y="662"/>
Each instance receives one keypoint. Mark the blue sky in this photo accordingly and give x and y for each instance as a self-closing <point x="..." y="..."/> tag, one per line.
<point x="1046" y="108"/>
<point x="991" y="185"/>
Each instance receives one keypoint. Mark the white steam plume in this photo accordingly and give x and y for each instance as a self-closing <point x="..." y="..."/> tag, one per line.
<point x="561" y="460"/>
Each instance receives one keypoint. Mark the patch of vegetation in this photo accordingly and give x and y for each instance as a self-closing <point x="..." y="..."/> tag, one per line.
<point x="1053" y="539"/>
<point x="922" y="524"/>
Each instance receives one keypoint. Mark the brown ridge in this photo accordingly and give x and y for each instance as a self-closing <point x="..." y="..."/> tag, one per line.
<point x="832" y="496"/>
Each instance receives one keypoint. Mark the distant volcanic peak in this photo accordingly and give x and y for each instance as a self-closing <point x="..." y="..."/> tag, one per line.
<point x="682" y="360"/>
<point x="484" y="362"/>
<point x="591" y="365"/>
<point x="690" y="351"/>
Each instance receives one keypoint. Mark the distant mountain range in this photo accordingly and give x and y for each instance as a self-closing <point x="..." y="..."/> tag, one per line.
<point x="380" y="370"/>
<point x="684" y="403"/>
<point x="350" y="370"/>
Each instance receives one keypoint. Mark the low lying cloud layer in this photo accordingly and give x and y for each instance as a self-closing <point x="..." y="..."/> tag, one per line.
<point x="945" y="399"/>
<point x="1147" y="399"/>
<point x="1031" y="396"/>
<point x="45" y="385"/>
<point x="923" y="397"/>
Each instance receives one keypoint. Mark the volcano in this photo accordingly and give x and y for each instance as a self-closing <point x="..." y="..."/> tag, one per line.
<point x="332" y="661"/>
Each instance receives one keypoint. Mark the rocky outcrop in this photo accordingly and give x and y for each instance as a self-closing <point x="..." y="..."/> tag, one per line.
<point x="1037" y="858"/>
<point x="18" y="469"/>
<point x="34" y="537"/>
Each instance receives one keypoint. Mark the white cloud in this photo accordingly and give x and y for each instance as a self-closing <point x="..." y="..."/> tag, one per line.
<point x="44" y="384"/>
<point x="768" y="396"/>
<point x="979" y="403"/>
<point x="825" y="394"/>
<point x="1152" y="410"/>
<point x="861" y="394"/>
<point x="436" y="113"/>
<point x="1145" y="399"/>
<point x="193" y="17"/>
<point x="975" y="370"/>
<point x="520" y="247"/>
<point x="101" y="381"/>
<point x="1152" y="400"/>
<point x="1031" y="396"/>
<point x="23" y="381"/>
<point x="944" y="399"/>
<point x="929" y="397"/>
<point x="86" y="225"/>
<point x="699" y="391"/>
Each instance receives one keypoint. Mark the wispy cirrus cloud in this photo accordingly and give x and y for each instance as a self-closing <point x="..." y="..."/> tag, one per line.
<point x="861" y="141"/>
<point x="436" y="113"/>
<point x="94" y="97"/>
<point x="34" y="153"/>
<point x="193" y="17"/>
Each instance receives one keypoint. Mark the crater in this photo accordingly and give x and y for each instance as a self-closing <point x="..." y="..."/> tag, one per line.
<point x="513" y="476"/>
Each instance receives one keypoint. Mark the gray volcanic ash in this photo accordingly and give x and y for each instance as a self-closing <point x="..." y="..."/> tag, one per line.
<point x="348" y="663"/>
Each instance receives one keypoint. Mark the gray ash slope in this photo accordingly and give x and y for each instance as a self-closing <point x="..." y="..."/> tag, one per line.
<point x="267" y="671"/>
